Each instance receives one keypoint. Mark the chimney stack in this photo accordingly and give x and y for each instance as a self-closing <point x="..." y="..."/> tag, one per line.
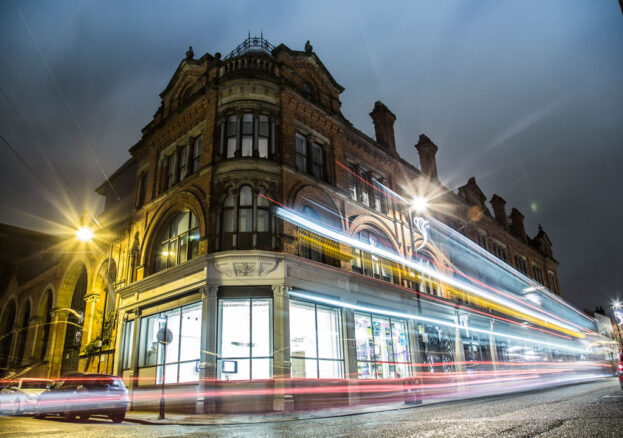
<point x="427" y="151"/>
<point x="384" y="120"/>
<point x="517" y="226"/>
<point x="499" y="210"/>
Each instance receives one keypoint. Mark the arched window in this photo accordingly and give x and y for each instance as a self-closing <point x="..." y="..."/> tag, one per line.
<point x="45" y="318"/>
<point x="315" y="247"/>
<point x="372" y="265"/>
<point x="178" y="241"/>
<point x="246" y="221"/>
<point x="23" y="334"/>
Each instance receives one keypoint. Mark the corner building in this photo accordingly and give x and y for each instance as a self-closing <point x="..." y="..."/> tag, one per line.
<point x="198" y="251"/>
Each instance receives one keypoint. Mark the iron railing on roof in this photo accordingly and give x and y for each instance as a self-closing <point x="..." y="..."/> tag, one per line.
<point x="252" y="44"/>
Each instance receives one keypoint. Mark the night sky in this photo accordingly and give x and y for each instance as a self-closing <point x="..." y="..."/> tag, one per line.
<point x="527" y="96"/>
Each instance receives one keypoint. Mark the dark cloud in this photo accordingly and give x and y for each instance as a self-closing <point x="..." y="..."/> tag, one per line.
<point x="524" y="95"/>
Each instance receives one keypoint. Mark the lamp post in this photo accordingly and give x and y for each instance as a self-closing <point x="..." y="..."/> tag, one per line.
<point x="164" y="337"/>
<point x="86" y="234"/>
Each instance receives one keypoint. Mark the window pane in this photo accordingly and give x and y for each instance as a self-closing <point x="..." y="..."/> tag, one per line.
<point x="262" y="368"/>
<point x="183" y="248"/>
<point x="179" y="224"/>
<point x="162" y="256"/>
<point x="301" y="162"/>
<point x="263" y="220"/>
<point x="246" y="199"/>
<point x="330" y="369"/>
<point x="304" y="368"/>
<point x="382" y="346"/>
<point x="400" y="345"/>
<point x="261" y="329"/>
<point x="233" y="369"/>
<point x="231" y="126"/>
<point x="191" y="332"/>
<point x="245" y="220"/>
<point x="262" y="147"/>
<point x="231" y="147"/>
<point x="193" y="244"/>
<point x="329" y="333"/>
<point x="173" y="326"/>
<point x="363" y="337"/>
<point x="264" y="126"/>
<point x="181" y="163"/>
<point x="247" y="146"/>
<point x="228" y="220"/>
<point x="366" y="370"/>
<point x="128" y="339"/>
<point x="302" y="330"/>
<point x="247" y="124"/>
<point x="170" y="374"/>
<point x="189" y="372"/>
<point x="172" y="253"/>
<point x="148" y="343"/>
<point x="234" y="330"/>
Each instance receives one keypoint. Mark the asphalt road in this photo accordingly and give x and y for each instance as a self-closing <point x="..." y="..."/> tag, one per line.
<point x="583" y="410"/>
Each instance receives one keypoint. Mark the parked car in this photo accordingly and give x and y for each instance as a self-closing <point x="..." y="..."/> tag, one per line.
<point x="20" y="395"/>
<point x="82" y="395"/>
<point x="620" y="369"/>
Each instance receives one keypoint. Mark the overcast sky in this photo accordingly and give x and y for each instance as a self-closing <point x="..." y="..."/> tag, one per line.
<point x="527" y="96"/>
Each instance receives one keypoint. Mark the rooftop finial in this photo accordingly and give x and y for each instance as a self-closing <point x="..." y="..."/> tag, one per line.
<point x="189" y="53"/>
<point x="308" y="47"/>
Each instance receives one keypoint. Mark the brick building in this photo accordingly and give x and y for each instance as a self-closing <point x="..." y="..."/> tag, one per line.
<point x="197" y="250"/>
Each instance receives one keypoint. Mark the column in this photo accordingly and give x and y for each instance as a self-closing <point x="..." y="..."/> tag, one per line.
<point x="350" y="355"/>
<point x="134" y="373"/>
<point x="209" y="349"/>
<point x="281" y="348"/>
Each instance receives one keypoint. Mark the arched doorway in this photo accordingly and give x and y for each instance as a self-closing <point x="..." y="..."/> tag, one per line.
<point x="6" y="334"/>
<point x="45" y="318"/>
<point x="73" y="332"/>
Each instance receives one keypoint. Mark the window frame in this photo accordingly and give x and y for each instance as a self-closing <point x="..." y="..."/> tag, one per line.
<point x="189" y="233"/>
<point x="195" y="155"/>
<point x="317" y="357"/>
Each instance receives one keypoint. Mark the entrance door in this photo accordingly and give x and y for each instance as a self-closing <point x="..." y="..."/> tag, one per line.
<point x="73" y="333"/>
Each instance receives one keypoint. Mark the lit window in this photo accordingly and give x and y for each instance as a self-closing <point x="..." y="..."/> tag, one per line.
<point x="263" y="136"/>
<point x="352" y="182"/>
<point x="315" y="341"/>
<point x="182" y="326"/>
<point x="179" y="241"/>
<point x="126" y="344"/>
<point x="382" y="347"/>
<point x="245" y="218"/>
<point x="245" y="349"/>
<point x="369" y="264"/>
<point x="246" y="236"/>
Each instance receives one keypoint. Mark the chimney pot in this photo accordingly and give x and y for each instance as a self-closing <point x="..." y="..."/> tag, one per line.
<point x="384" y="120"/>
<point x="427" y="151"/>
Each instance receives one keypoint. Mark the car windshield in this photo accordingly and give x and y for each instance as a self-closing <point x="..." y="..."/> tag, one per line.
<point x="35" y="384"/>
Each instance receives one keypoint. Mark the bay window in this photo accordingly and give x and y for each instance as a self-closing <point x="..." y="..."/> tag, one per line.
<point x="246" y="221"/>
<point x="247" y="135"/>
<point x="316" y="347"/>
<point x="382" y="347"/>
<point x="245" y="350"/>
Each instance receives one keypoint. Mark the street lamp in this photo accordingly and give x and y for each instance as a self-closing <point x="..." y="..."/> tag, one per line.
<point x="86" y="234"/>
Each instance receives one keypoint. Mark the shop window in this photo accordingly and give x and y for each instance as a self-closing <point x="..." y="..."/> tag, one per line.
<point x="382" y="347"/>
<point x="182" y="326"/>
<point x="316" y="349"/>
<point x="245" y="350"/>
<point x="179" y="241"/>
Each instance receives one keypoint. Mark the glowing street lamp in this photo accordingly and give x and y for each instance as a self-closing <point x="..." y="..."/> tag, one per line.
<point x="84" y="234"/>
<point x="419" y="204"/>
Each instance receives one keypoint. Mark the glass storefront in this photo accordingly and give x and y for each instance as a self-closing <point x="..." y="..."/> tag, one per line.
<point x="382" y="347"/>
<point x="182" y="326"/>
<point x="316" y="349"/>
<point x="245" y="349"/>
